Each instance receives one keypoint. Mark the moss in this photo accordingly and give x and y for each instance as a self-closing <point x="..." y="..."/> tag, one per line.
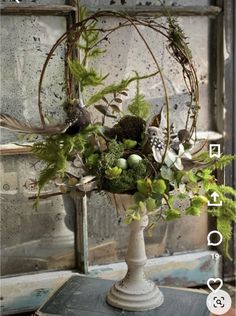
<point x="129" y="127"/>
<point x="127" y="181"/>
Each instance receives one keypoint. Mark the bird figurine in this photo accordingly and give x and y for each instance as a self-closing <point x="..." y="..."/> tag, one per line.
<point x="78" y="118"/>
<point x="156" y="141"/>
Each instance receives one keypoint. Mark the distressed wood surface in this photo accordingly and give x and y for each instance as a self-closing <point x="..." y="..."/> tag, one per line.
<point x="81" y="231"/>
<point x="39" y="9"/>
<point x="64" y="10"/>
<point x="87" y="296"/>
<point x="161" y="11"/>
<point x="192" y="269"/>
<point x="26" y="293"/>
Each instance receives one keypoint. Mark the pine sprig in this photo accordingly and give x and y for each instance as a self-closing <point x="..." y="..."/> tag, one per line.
<point x="138" y="105"/>
<point x="89" y="39"/>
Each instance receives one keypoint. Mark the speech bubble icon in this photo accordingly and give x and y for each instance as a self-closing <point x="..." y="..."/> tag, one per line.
<point x="210" y="243"/>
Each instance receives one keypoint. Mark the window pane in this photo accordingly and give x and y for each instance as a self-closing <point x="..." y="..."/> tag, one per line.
<point x="25" y="44"/>
<point x="32" y="239"/>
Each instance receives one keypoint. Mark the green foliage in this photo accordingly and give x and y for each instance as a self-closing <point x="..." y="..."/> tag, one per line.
<point x="225" y="214"/>
<point x="222" y="162"/>
<point x="152" y="185"/>
<point x="224" y="226"/>
<point x="92" y="160"/>
<point x="113" y="173"/>
<point x="56" y="150"/>
<point x="115" y="88"/>
<point x="159" y="186"/>
<point x="115" y="151"/>
<point x="89" y="39"/>
<point x="127" y="180"/>
<point x="177" y="39"/>
<point x="132" y="214"/>
<point x="172" y="214"/>
<point x="139" y="106"/>
<point x="86" y="77"/>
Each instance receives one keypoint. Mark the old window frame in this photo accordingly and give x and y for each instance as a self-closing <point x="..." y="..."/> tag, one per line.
<point x="226" y="30"/>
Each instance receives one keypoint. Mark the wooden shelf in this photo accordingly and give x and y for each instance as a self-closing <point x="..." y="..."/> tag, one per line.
<point x="37" y="9"/>
<point x="155" y="10"/>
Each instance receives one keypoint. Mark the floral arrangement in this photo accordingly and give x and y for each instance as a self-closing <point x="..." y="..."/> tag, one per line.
<point x="140" y="154"/>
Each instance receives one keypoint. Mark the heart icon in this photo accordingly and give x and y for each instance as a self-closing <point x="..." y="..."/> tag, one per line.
<point x="212" y="280"/>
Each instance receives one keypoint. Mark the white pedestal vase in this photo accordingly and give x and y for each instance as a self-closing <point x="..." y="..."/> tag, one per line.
<point x="135" y="292"/>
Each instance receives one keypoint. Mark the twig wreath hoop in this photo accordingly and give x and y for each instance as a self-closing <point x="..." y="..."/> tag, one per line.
<point x="177" y="47"/>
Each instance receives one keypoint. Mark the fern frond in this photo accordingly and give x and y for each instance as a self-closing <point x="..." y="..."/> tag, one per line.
<point x="227" y="190"/>
<point x="115" y="88"/>
<point x="222" y="162"/>
<point x="86" y="77"/>
<point x="139" y="106"/>
<point x="224" y="226"/>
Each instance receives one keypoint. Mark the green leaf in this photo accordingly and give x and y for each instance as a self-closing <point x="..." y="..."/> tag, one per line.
<point x="128" y="219"/>
<point x="171" y="200"/>
<point x="191" y="176"/>
<point x="193" y="210"/>
<point x="150" y="204"/>
<point x="129" y="143"/>
<point x="172" y="214"/>
<point x="144" y="186"/>
<point x="199" y="201"/>
<point x="142" y="207"/>
<point x="159" y="186"/>
<point x="139" y="197"/>
<point x="167" y="173"/>
<point x="136" y="216"/>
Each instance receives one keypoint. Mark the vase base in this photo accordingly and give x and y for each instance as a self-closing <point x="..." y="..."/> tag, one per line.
<point x="135" y="301"/>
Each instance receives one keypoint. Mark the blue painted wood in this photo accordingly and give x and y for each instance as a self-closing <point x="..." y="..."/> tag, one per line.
<point x="26" y="303"/>
<point x="26" y="293"/>
<point x="192" y="269"/>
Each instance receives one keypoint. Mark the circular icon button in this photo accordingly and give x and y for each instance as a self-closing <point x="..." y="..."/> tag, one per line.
<point x="218" y="302"/>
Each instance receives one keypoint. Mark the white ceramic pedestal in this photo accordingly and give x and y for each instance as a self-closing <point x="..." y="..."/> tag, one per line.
<point x="135" y="292"/>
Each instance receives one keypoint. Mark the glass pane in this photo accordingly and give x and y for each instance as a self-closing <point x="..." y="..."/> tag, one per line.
<point x="31" y="239"/>
<point x="108" y="235"/>
<point x="42" y="239"/>
<point x="25" y="43"/>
